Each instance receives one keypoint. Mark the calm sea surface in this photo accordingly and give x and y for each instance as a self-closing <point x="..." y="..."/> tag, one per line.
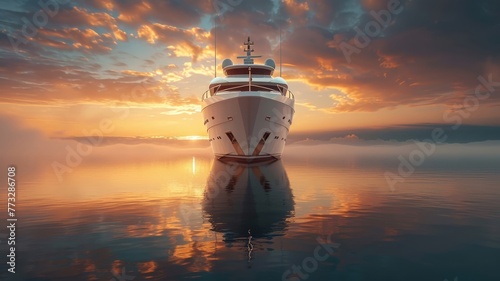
<point x="195" y="218"/>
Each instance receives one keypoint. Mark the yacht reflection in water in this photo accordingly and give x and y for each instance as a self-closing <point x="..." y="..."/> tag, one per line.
<point x="248" y="198"/>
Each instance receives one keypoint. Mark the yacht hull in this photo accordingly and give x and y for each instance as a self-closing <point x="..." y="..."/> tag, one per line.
<point x="248" y="126"/>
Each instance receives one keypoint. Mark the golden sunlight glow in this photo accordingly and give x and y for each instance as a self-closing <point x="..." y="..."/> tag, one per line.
<point x="194" y="165"/>
<point x="94" y="181"/>
<point x="192" y="138"/>
<point x="154" y="60"/>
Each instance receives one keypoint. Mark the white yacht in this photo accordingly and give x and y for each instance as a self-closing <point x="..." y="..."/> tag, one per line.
<point x="248" y="112"/>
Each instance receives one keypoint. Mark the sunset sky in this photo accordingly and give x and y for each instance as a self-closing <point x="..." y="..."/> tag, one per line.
<point x="142" y="66"/>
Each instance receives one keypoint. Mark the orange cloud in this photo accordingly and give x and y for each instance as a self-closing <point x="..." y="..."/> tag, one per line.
<point x="86" y="39"/>
<point x="414" y="61"/>
<point x="183" y="42"/>
<point x="78" y="16"/>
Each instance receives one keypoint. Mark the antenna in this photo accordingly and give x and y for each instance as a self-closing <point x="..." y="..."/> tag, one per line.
<point x="280" y="47"/>
<point x="248" y="59"/>
<point x="215" y="47"/>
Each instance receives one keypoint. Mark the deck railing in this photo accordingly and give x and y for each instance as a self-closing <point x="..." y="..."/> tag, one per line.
<point x="284" y="91"/>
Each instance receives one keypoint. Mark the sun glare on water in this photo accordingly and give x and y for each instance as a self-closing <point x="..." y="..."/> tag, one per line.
<point x="192" y="138"/>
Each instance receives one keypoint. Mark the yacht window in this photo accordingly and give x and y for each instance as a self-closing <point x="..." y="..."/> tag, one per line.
<point x="243" y="87"/>
<point x="244" y="70"/>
